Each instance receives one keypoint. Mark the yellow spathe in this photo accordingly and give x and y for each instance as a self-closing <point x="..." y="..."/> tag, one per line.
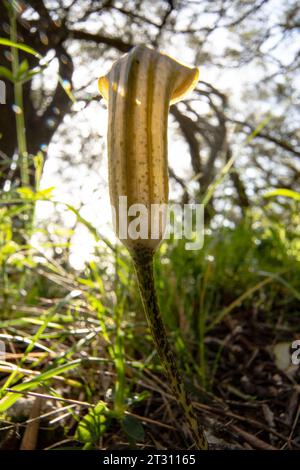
<point x="139" y="89"/>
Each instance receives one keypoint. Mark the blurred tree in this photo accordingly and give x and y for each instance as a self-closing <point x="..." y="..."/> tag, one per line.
<point x="256" y="52"/>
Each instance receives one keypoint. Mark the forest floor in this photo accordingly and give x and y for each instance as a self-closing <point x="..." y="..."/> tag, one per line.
<point x="253" y="404"/>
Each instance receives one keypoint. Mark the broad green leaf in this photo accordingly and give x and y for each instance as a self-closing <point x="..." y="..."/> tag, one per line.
<point x="133" y="428"/>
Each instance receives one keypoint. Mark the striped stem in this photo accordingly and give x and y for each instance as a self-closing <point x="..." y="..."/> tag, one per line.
<point x="143" y="261"/>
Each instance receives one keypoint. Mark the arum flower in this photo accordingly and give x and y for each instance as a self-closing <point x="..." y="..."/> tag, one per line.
<point x="139" y="89"/>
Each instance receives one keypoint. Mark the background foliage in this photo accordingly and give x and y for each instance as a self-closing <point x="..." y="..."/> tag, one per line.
<point x="77" y="339"/>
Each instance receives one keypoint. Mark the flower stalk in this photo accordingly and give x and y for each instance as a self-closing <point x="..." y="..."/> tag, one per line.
<point x="139" y="89"/>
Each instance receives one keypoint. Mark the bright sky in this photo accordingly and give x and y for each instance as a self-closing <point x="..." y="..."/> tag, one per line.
<point x="77" y="184"/>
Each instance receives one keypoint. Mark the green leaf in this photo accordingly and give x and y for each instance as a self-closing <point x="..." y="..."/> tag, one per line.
<point x="284" y="193"/>
<point x="23" y="47"/>
<point x="30" y="195"/>
<point x="8" y="400"/>
<point x="6" y="73"/>
<point x="31" y="73"/>
<point x="140" y="397"/>
<point x="26" y="193"/>
<point x="45" y="193"/>
<point x="133" y="428"/>
<point x="23" y="69"/>
<point x="93" y="424"/>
